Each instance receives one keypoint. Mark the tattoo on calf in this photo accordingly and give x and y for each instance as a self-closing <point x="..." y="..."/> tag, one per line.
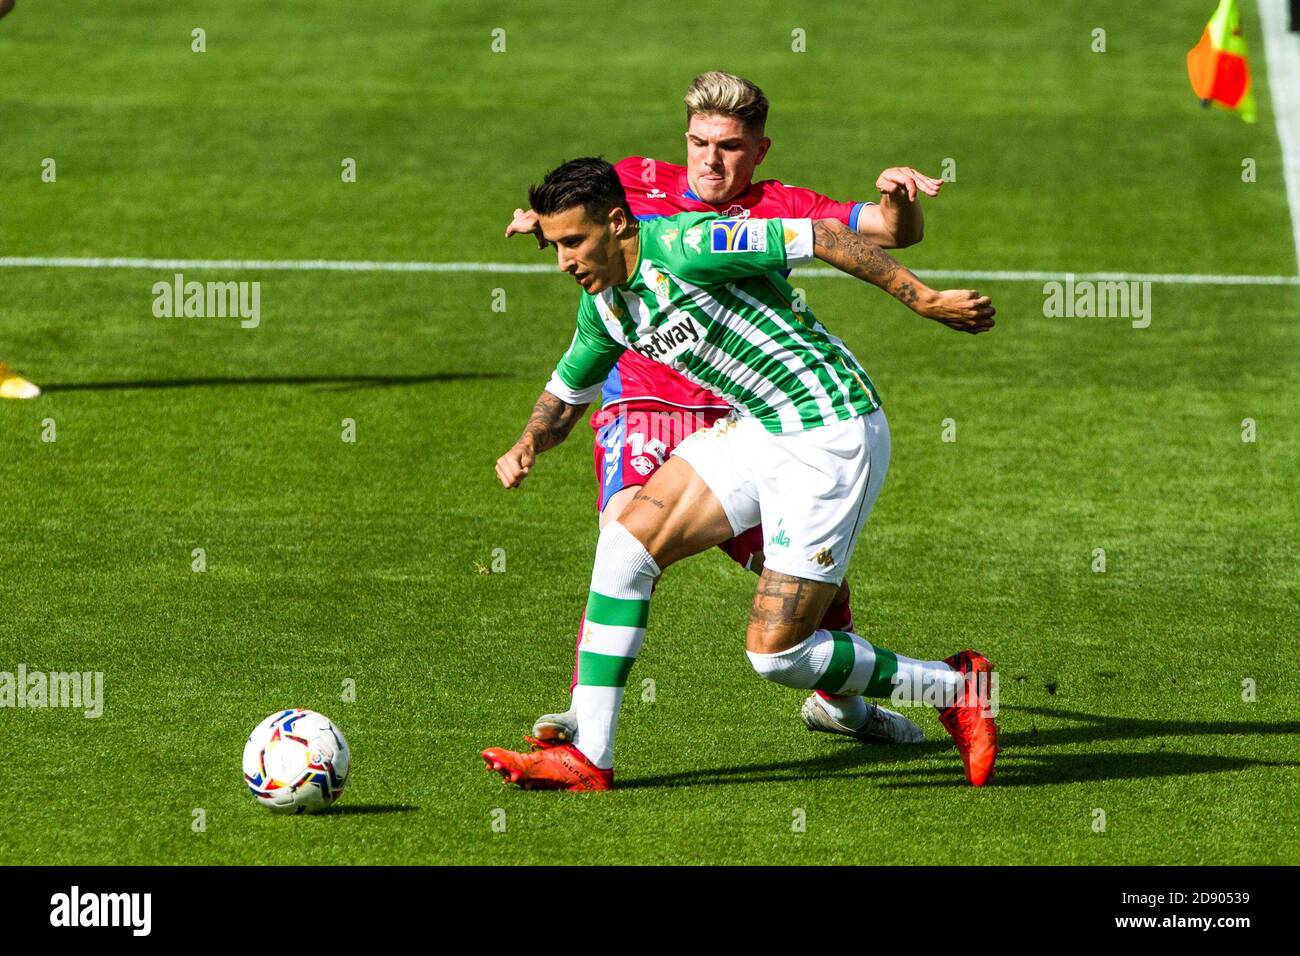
<point x="781" y="599"/>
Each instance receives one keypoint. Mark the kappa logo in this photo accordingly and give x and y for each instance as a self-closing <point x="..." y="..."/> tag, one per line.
<point x="737" y="235"/>
<point x="822" y="557"/>
<point x="669" y="237"/>
<point x="692" y="239"/>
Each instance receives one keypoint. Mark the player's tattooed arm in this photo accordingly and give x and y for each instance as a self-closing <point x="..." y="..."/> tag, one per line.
<point x="962" y="309"/>
<point x="549" y="424"/>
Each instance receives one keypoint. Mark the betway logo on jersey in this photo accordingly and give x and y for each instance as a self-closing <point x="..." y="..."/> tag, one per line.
<point x="738" y="235"/>
<point x="670" y="340"/>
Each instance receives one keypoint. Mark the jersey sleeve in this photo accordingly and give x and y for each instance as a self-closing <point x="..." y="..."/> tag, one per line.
<point x="582" y="370"/>
<point x="711" y="249"/>
<point x="813" y="205"/>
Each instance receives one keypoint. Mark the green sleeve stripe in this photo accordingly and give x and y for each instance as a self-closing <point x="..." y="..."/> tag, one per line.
<point x="603" y="670"/>
<point x="840" y="666"/>
<point x="616" y="612"/>
<point x="882" y="675"/>
<point x="592" y="353"/>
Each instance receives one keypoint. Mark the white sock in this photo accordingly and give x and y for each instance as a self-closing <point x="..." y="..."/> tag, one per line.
<point x="849" y="711"/>
<point x="617" y="608"/>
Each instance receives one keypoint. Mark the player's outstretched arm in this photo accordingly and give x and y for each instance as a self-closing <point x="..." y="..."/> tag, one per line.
<point x="962" y="309"/>
<point x="896" y="221"/>
<point x="550" y="424"/>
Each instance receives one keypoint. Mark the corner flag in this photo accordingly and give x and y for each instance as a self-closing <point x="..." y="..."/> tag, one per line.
<point x="1217" y="65"/>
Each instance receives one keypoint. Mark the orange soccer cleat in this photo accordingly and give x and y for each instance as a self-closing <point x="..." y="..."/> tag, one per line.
<point x="550" y="766"/>
<point x="968" y="721"/>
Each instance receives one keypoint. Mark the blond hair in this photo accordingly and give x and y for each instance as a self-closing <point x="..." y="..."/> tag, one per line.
<point x="725" y="94"/>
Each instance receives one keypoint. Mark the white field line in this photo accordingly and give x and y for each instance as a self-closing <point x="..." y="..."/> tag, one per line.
<point x="507" y="268"/>
<point x="1282" y="50"/>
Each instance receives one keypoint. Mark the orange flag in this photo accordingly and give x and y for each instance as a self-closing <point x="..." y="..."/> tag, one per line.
<point x="1217" y="65"/>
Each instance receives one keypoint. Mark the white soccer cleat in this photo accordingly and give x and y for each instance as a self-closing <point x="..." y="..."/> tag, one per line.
<point x="883" y="726"/>
<point x="561" y="728"/>
<point x="13" y="385"/>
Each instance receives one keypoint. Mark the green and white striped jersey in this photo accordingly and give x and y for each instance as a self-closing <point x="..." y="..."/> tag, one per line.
<point x="708" y="299"/>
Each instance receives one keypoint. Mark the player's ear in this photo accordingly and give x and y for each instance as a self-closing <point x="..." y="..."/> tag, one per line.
<point x="618" y="219"/>
<point x="764" y="145"/>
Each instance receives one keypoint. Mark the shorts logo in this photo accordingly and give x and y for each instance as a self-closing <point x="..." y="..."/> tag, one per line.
<point x="822" y="557"/>
<point x="643" y="465"/>
<point x="737" y="235"/>
<point x="780" y="539"/>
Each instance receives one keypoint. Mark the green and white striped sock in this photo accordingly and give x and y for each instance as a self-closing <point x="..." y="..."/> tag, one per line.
<point x="618" y="606"/>
<point x="840" y="662"/>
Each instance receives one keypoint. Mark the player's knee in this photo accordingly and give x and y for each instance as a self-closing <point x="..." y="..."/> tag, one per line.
<point x="618" y="548"/>
<point x="798" y="666"/>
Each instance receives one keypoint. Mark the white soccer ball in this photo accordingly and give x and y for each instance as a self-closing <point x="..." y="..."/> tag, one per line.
<point x="296" y="761"/>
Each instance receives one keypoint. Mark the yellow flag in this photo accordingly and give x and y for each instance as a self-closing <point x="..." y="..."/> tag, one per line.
<point x="1217" y="65"/>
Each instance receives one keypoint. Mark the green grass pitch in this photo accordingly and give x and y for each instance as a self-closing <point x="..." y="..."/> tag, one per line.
<point x="1121" y="691"/>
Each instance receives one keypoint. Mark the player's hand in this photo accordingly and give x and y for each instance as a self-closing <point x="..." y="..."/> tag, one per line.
<point x="513" y="467"/>
<point x="903" y="182"/>
<point x="526" y="221"/>
<point x="963" y="310"/>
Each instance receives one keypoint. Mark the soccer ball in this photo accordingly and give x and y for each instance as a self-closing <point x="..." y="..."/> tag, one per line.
<point x="296" y="761"/>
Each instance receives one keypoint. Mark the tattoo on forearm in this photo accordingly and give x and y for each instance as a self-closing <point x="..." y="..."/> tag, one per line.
<point x="838" y="245"/>
<point x="551" y="421"/>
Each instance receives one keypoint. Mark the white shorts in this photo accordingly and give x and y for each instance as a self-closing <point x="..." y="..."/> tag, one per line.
<point x="812" y="490"/>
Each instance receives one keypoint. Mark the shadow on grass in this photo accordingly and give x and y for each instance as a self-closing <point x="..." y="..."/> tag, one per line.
<point x="357" y="809"/>
<point x="1018" y="763"/>
<point x="341" y="381"/>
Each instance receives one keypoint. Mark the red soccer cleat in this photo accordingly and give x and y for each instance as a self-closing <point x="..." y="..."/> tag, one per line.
<point x="550" y="766"/>
<point x="975" y="733"/>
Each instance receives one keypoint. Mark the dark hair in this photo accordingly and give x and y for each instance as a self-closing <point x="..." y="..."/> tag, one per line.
<point x="589" y="182"/>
